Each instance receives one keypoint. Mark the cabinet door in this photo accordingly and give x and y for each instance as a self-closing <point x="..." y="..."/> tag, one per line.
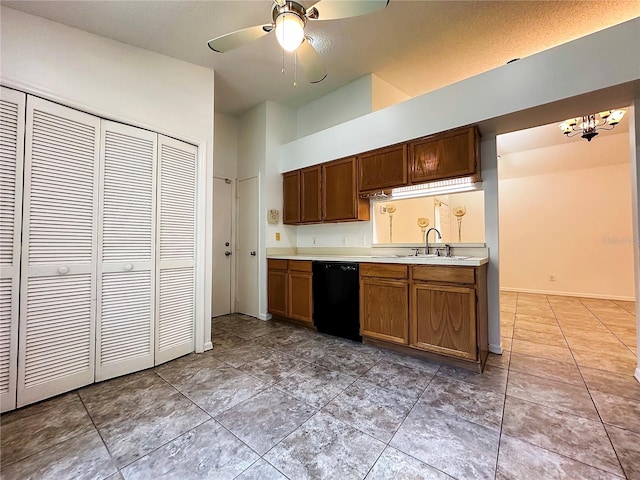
<point x="384" y="311"/>
<point x="443" y="320"/>
<point x="300" y="296"/>
<point x="277" y="292"/>
<point x="310" y="195"/>
<point x="58" y="278"/>
<point x="340" y="200"/>
<point x="175" y="275"/>
<point x="383" y="168"/>
<point x="291" y="198"/>
<point x="12" y="107"/>
<point x="126" y="251"/>
<point x="447" y="155"/>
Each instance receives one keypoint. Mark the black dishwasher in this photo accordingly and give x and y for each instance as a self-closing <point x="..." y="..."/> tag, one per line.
<point x="336" y="299"/>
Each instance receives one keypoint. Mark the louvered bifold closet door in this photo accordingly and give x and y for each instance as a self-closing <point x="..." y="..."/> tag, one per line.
<point x="126" y="250"/>
<point x="59" y="243"/>
<point x="176" y="253"/>
<point x="12" y="110"/>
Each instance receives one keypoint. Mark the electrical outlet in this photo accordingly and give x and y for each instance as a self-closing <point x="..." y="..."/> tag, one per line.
<point x="277" y="236"/>
<point x="313" y="240"/>
<point x="345" y="241"/>
<point x="362" y="239"/>
<point x="552" y="277"/>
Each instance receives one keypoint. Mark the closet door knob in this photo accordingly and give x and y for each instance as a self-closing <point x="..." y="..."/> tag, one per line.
<point x="128" y="267"/>
<point x="63" y="270"/>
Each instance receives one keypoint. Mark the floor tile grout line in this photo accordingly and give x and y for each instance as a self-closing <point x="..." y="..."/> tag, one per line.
<point x="98" y="432"/>
<point x="84" y="430"/>
<point x="607" y="327"/>
<point x="565" y="413"/>
<point x="388" y="444"/>
<point x="565" y="456"/>
<point x="587" y="387"/>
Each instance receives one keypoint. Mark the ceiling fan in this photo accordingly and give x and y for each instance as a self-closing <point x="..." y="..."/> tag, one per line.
<point x="288" y="20"/>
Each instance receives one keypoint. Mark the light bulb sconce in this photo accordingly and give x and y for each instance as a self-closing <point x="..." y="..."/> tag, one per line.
<point x="588" y="125"/>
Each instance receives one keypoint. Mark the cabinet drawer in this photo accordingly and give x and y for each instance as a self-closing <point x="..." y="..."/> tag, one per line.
<point x="382" y="270"/>
<point x="300" y="265"/>
<point x="431" y="273"/>
<point x="276" y="264"/>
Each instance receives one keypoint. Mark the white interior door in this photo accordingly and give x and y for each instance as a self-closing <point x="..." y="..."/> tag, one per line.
<point x="247" y="247"/>
<point x="58" y="278"/>
<point x="175" y="281"/>
<point x="126" y="250"/>
<point x="222" y="246"/>
<point x="12" y="112"/>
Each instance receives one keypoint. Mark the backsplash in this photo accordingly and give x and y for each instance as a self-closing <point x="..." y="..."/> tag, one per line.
<point x="351" y="235"/>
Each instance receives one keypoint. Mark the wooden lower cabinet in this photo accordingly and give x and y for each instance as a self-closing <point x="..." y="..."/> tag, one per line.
<point x="443" y="319"/>
<point x="384" y="302"/>
<point x="289" y="290"/>
<point x="277" y="287"/>
<point x="300" y="293"/>
<point x="427" y="310"/>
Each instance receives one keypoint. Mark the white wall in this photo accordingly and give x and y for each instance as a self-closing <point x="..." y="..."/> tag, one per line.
<point x="383" y="94"/>
<point x="351" y="234"/>
<point x="125" y="84"/>
<point x="604" y="59"/>
<point x="634" y="160"/>
<point x="346" y="103"/>
<point x="260" y="133"/>
<point x="225" y="153"/>
<point x="533" y="91"/>
<point x="573" y="223"/>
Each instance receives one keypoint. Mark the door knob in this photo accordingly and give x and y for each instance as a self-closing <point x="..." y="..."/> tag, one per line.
<point x="253" y="254"/>
<point x="227" y="253"/>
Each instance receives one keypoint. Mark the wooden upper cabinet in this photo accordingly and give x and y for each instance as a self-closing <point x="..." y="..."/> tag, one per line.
<point x="383" y="168"/>
<point x="310" y="193"/>
<point x="445" y="155"/>
<point x="291" y="197"/>
<point x="340" y="200"/>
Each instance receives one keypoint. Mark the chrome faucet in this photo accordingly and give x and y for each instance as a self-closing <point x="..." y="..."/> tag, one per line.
<point x="426" y="239"/>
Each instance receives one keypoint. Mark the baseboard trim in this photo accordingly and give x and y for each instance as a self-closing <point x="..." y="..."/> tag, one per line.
<point x="264" y="316"/>
<point x="569" y="294"/>
<point x="208" y="346"/>
<point x="497" y="349"/>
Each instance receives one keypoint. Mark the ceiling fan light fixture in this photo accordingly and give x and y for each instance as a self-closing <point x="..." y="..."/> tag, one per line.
<point x="289" y="30"/>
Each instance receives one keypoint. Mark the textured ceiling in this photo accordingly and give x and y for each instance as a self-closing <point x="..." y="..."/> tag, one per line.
<point x="418" y="46"/>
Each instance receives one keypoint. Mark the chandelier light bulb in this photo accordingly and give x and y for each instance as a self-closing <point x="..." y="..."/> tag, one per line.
<point x="289" y="31"/>
<point x="590" y="124"/>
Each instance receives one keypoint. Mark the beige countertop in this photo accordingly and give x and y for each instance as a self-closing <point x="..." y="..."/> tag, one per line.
<point x="467" y="261"/>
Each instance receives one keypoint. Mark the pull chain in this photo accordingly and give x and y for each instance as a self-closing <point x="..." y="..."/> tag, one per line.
<point x="283" y="70"/>
<point x="295" y="69"/>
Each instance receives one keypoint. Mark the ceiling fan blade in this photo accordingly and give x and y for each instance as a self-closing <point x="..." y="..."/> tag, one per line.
<point x="227" y="42"/>
<point x="311" y="63"/>
<point x="332" y="9"/>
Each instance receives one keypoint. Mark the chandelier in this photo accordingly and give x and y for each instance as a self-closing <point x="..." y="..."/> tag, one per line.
<point x="588" y="125"/>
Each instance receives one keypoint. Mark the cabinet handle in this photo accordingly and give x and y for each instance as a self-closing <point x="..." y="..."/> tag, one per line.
<point x="128" y="267"/>
<point x="63" y="270"/>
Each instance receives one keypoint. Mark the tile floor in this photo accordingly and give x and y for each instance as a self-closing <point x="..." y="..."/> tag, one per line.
<point x="274" y="401"/>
